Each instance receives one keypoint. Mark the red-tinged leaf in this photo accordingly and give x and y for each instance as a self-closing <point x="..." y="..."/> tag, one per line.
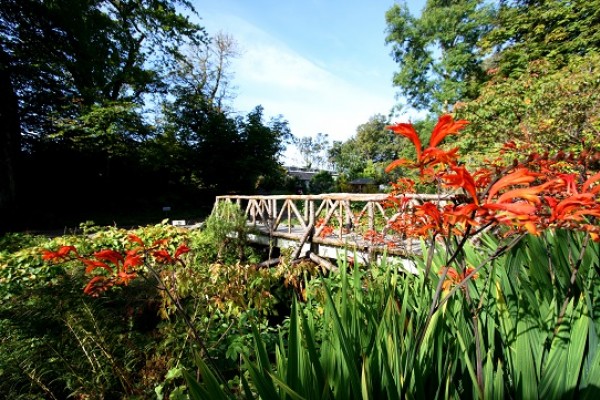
<point x="160" y="242"/>
<point x="587" y="185"/>
<point x="91" y="265"/>
<point x="135" y="239"/>
<point x="397" y="163"/>
<point x="445" y="126"/>
<point x="109" y="255"/>
<point x="182" y="249"/>
<point x="163" y="257"/>
<point x="408" y="131"/>
<point x="519" y="177"/>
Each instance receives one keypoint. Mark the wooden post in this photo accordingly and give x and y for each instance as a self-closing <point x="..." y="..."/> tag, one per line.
<point x="306" y="237"/>
<point x="322" y="262"/>
<point x="289" y="215"/>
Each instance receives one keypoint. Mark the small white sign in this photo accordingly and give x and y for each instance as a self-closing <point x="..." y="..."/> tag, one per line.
<point x="165" y="209"/>
<point x="178" y="222"/>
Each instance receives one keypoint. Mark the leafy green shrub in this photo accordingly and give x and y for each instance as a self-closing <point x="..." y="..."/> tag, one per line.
<point x="226" y="231"/>
<point x="57" y="341"/>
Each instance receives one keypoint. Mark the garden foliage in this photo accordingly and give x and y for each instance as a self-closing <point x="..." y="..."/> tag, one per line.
<point x="506" y="303"/>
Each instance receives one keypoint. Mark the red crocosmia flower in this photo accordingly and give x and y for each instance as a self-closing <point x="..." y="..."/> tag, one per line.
<point x="461" y="179"/>
<point x="404" y="185"/>
<point x="568" y="182"/>
<point x="92" y="265"/>
<point x="58" y="255"/>
<point x="397" y="163"/>
<point x="182" y="249"/>
<point x="132" y="261"/>
<point x="520" y="214"/>
<point x="529" y="193"/>
<point x="163" y="257"/>
<point x="433" y="156"/>
<point x="432" y="218"/>
<point x="587" y="185"/>
<point x="593" y="230"/>
<point x="97" y="285"/>
<point x="109" y="255"/>
<point x="482" y="177"/>
<point x="510" y="145"/>
<point x="124" y="277"/>
<point x="445" y="126"/>
<point x="462" y="214"/>
<point x="374" y="237"/>
<point x="518" y="208"/>
<point x="135" y="239"/>
<point x="518" y="177"/>
<point x="573" y="208"/>
<point x="429" y="210"/>
<point x="454" y="278"/>
<point x="408" y="131"/>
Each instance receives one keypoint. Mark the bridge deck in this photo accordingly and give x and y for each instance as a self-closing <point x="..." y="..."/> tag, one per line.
<point x="391" y="244"/>
<point x="330" y="222"/>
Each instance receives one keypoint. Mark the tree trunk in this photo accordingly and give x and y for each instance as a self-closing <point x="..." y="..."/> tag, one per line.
<point x="10" y="145"/>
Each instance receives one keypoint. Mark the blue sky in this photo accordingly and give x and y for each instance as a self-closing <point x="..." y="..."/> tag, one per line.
<point x="322" y="64"/>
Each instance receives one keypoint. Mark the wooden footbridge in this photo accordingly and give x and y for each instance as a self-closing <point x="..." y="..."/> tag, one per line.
<point x="326" y="224"/>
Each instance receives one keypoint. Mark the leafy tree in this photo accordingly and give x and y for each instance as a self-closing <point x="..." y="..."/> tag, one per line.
<point x="206" y="69"/>
<point x="313" y="150"/>
<point x="368" y="152"/>
<point x="528" y="30"/>
<point x="346" y="159"/>
<point x="543" y="89"/>
<point x="322" y="182"/>
<point x="222" y="153"/>
<point x="549" y="108"/>
<point x="262" y="144"/>
<point x="10" y="144"/>
<point x="438" y="52"/>
<point x="81" y="72"/>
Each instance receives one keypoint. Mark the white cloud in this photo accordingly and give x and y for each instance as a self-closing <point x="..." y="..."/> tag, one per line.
<point x="308" y="95"/>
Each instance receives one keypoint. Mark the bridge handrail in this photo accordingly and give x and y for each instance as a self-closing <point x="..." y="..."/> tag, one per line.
<point x="318" y="211"/>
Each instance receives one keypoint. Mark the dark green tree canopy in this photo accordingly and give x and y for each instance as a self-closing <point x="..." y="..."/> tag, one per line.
<point x="66" y="55"/>
<point x="127" y="103"/>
